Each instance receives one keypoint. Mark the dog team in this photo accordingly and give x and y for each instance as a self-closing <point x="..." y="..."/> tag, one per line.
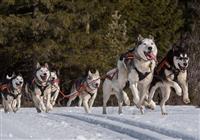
<point x="137" y="67"/>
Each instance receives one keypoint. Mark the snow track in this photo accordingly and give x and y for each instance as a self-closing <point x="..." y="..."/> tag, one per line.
<point x="167" y="132"/>
<point x="183" y="122"/>
<point x="121" y="127"/>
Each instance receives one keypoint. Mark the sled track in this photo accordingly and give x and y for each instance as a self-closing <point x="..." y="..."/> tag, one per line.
<point x="115" y="125"/>
<point x="170" y="133"/>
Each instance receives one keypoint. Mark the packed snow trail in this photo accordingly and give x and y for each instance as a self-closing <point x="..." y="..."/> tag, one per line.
<point x="183" y="122"/>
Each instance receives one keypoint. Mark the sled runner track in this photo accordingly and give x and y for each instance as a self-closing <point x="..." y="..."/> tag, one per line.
<point x="174" y="134"/>
<point x="120" y="127"/>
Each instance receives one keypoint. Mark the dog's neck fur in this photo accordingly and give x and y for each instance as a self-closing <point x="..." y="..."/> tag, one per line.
<point x="41" y="83"/>
<point x="143" y="65"/>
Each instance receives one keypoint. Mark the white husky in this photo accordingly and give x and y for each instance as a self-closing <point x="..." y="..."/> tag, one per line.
<point x="40" y="89"/>
<point x="12" y="92"/>
<point x="141" y="70"/>
<point x="113" y="85"/>
<point x="55" y="88"/>
<point x="86" y="88"/>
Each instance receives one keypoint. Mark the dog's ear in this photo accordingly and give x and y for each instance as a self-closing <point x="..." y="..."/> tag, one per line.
<point x="46" y="65"/>
<point x="151" y="37"/>
<point x="38" y="65"/>
<point x="97" y="72"/>
<point x="89" y="73"/>
<point x="140" y="38"/>
<point x="58" y="72"/>
<point x="10" y="77"/>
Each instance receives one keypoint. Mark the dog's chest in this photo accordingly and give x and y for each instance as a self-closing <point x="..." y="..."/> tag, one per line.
<point x="182" y="76"/>
<point x="54" y="87"/>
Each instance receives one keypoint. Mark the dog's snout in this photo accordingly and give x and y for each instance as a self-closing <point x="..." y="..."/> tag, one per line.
<point x="150" y="48"/>
<point x="20" y="82"/>
<point x="185" y="64"/>
<point x="96" y="84"/>
<point x="45" y="74"/>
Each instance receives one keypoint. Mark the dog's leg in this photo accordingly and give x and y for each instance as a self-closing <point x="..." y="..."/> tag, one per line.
<point x="18" y="105"/>
<point x="135" y="93"/>
<point x="175" y="85"/>
<point x="153" y="90"/>
<point x="80" y="101"/>
<point x="40" y="103"/>
<point x="54" y="98"/>
<point x="107" y="89"/>
<point x="125" y="98"/>
<point x="165" y="93"/>
<point x="91" y="102"/>
<point x="119" y="96"/>
<point x="182" y="80"/>
<point x="106" y="97"/>
<point x="70" y="100"/>
<point x="85" y="103"/>
<point x="47" y="94"/>
<point x="14" y="105"/>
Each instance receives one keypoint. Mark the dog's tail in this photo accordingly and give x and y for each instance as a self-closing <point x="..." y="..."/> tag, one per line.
<point x="126" y="99"/>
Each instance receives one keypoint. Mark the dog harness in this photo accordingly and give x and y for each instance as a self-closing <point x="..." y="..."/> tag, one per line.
<point x="80" y="86"/>
<point x="39" y="85"/>
<point x="128" y="58"/>
<point x="7" y="90"/>
<point x="165" y="64"/>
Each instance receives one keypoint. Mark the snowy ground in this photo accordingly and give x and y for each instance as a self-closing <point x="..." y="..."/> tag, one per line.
<point x="182" y="122"/>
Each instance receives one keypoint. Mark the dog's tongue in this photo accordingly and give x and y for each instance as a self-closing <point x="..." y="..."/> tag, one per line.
<point x="151" y="56"/>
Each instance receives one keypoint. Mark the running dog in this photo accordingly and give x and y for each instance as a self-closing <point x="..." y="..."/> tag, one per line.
<point x="40" y="88"/>
<point x="113" y="85"/>
<point x="11" y="93"/>
<point x="171" y="72"/>
<point x="140" y="70"/>
<point x="55" y="88"/>
<point x="86" y="89"/>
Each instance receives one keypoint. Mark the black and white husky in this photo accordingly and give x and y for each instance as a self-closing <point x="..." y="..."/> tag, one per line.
<point x="11" y="93"/>
<point x="171" y="72"/>
<point x="86" y="89"/>
<point x="55" y="88"/>
<point x="136" y="66"/>
<point x="40" y="88"/>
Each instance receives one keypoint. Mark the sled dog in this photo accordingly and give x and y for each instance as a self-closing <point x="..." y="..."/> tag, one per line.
<point x="55" y="88"/>
<point x="113" y="85"/>
<point x="40" y="88"/>
<point x="171" y="72"/>
<point x="11" y="93"/>
<point x="86" y="89"/>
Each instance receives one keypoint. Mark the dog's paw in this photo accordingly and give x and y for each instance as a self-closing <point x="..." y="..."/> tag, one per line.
<point x="142" y="110"/>
<point x="186" y="100"/>
<point x="164" y="113"/>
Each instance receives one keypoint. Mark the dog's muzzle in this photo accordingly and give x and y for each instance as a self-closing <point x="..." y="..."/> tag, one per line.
<point x="149" y="55"/>
<point x="183" y="68"/>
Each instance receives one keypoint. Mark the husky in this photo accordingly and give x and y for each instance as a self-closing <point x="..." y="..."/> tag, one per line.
<point x="113" y="85"/>
<point x="86" y="89"/>
<point x="40" y="88"/>
<point x="11" y="93"/>
<point x="140" y="70"/>
<point x="171" y="72"/>
<point x="55" y="88"/>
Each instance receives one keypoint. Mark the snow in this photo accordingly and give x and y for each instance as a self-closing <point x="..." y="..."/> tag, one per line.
<point x="182" y="122"/>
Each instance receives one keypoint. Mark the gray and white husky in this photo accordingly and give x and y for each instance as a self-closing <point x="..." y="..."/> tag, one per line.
<point x="40" y="88"/>
<point x="136" y="67"/>
<point x="141" y="70"/>
<point x="171" y="72"/>
<point x="55" y="88"/>
<point x="11" y="93"/>
<point x="86" y="89"/>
